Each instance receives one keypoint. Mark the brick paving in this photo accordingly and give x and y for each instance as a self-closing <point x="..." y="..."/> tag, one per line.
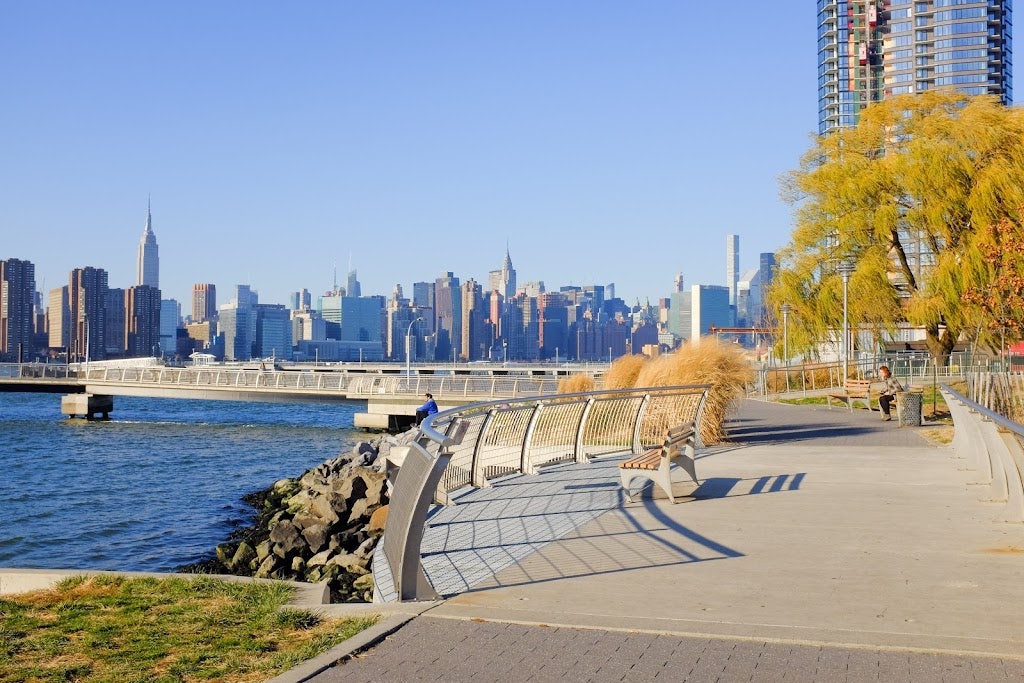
<point x="432" y="649"/>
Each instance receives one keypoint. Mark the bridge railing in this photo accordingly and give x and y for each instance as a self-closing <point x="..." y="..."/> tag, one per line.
<point x="474" y="444"/>
<point x="37" y="371"/>
<point x="355" y="385"/>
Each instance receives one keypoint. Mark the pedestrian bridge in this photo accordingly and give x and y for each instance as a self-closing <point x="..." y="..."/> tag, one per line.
<point x="391" y="395"/>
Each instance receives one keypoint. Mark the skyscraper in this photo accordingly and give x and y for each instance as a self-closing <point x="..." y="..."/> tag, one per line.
<point x="504" y="280"/>
<point x="17" y="294"/>
<point x="448" y="314"/>
<point x="87" y="295"/>
<point x="732" y="265"/>
<point x="58" y="318"/>
<point x="149" y="259"/>
<point x="868" y="51"/>
<point x="142" y="314"/>
<point x="475" y="340"/>
<point x="709" y="308"/>
<point x="204" y="302"/>
<point x="353" y="288"/>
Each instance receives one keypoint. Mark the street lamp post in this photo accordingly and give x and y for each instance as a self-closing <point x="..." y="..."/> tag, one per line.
<point x="504" y="352"/>
<point x="609" y="355"/>
<point x="556" y="358"/>
<point x="87" y="343"/>
<point x="786" y="308"/>
<point x="846" y="269"/>
<point x="408" y="346"/>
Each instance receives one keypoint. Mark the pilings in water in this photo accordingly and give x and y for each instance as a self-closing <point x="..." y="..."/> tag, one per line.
<point x="88" y="406"/>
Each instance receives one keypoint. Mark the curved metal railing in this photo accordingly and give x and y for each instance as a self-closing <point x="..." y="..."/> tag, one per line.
<point x="474" y="444"/>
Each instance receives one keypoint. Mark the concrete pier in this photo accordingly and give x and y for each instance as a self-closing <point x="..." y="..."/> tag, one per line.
<point x="88" y="406"/>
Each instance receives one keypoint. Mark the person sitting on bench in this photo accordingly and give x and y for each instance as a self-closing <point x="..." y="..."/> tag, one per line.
<point x="428" y="408"/>
<point x="889" y="390"/>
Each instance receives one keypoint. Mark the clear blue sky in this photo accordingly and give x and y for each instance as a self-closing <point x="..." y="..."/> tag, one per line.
<point x="602" y="141"/>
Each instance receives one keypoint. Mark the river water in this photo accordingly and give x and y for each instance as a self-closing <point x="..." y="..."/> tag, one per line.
<point x="158" y="486"/>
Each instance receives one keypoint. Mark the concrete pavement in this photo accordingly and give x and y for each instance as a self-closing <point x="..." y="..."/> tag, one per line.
<point x="821" y="545"/>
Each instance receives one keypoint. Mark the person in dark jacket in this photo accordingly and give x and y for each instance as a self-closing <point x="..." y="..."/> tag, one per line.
<point x="428" y="408"/>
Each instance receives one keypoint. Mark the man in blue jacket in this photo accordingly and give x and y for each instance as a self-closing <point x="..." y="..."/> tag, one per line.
<point x="428" y="408"/>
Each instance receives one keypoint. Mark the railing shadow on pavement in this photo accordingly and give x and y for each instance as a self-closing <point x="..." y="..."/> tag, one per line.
<point x="482" y="552"/>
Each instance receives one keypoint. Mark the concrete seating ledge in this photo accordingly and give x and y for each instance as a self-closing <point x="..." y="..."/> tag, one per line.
<point x="978" y="441"/>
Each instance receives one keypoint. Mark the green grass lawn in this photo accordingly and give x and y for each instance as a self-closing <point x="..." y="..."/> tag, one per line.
<point x="937" y="412"/>
<point x="118" y="629"/>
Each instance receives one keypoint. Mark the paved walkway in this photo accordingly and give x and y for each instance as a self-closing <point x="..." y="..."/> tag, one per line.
<point x="821" y="546"/>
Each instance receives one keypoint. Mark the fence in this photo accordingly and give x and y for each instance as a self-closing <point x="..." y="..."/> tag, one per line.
<point x="471" y="445"/>
<point x="916" y="368"/>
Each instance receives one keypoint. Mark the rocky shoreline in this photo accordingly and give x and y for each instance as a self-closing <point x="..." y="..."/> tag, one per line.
<point x="321" y="527"/>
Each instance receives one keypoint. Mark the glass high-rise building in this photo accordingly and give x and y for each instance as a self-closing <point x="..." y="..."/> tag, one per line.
<point x="868" y="51"/>
<point x="17" y="309"/>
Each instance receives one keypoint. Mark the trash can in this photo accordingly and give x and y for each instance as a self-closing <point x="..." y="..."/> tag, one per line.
<point x="908" y="407"/>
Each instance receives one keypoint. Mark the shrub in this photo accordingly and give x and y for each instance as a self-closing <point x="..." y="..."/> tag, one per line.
<point x="623" y="372"/>
<point x="575" y="383"/>
<point x="724" y="366"/>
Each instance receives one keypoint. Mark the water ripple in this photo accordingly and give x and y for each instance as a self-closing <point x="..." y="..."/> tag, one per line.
<point x="157" y="487"/>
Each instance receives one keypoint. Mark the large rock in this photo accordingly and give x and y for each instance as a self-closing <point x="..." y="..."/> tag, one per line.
<point x="322" y="526"/>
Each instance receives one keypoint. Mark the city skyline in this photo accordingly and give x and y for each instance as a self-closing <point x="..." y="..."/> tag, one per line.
<point x="591" y="139"/>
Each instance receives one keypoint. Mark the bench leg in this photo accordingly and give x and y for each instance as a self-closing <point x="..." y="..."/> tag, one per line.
<point x="688" y="463"/>
<point x="627" y="476"/>
<point x="664" y="479"/>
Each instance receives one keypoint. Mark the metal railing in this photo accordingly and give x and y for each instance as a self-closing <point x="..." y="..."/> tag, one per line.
<point x="811" y="378"/>
<point x="1002" y="393"/>
<point x="474" y="444"/>
<point x="354" y="385"/>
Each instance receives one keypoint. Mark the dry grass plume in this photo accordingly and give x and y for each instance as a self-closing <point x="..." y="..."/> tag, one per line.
<point x="623" y="372"/>
<point x="724" y="366"/>
<point x="575" y="383"/>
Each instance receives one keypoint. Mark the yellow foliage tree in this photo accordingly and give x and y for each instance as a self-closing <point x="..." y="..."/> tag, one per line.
<point x="903" y="196"/>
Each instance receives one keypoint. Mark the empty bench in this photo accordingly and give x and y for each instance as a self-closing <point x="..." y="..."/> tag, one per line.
<point x="656" y="463"/>
<point x="853" y="390"/>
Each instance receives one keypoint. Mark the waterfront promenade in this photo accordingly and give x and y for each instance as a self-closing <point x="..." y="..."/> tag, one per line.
<point x="821" y="546"/>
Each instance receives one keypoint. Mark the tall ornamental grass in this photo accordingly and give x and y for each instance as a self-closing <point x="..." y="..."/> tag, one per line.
<point x="724" y="366"/>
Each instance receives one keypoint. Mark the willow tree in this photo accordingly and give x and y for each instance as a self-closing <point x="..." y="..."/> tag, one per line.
<point x="903" y="196"/>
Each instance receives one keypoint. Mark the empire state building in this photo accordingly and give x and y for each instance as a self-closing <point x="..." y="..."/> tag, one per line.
<point x="149" y="259"/>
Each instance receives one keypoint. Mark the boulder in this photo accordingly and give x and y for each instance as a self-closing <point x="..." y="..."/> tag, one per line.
<point x="242" y="557"/>
<point x="378" y="519"/>
<point x="322" y="526"/>
<point x="320" y="559"/>
<point x="267" y="567"/>
<point x="364" y="583"/>
<point x="315" y="537"/>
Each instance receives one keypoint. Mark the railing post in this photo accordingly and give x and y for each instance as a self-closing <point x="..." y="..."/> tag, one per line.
<point x="637" y="446"/>
<point x="476" y="474"/>
<point x="581" y="430"/>
<point x="525" y="462"/>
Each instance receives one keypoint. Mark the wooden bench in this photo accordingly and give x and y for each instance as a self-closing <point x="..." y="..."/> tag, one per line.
<point x="853" y="389"/>
<point x="656" y="463"/>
